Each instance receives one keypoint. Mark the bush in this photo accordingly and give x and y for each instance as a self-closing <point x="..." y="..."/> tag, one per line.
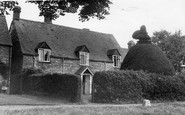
<point x="64" y="85"/>
<point x="133" y="86"/>
<point x="26" y="81"/>
<point x="113" y="87"/>
<point x="167" y="88"/>
<point x="147" y="57"/>
<point x="4" y="68"/>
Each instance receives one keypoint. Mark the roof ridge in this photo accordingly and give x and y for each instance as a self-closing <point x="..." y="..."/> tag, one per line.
<point x="81" y="29"/>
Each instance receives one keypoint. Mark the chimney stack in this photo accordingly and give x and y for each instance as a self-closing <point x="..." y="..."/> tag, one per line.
<point x="16" y="12"/>
<point x="48" y="18"/>
<point x="130" y="44"/>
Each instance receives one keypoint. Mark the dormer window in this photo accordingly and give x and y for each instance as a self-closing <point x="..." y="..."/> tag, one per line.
<point x="83" y="53"/>
<point x="84" y="58"/>
<point x="116" y="61"/>
<point x="44" y="55"/>
<point x="115" y="56"/>
<point x="44" y="52"/>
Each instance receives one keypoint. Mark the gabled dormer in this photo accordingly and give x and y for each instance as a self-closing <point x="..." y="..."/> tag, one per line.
<point x="115" y="56"/>
<point x="83" y="53"/>
<point x="44" y="52"/>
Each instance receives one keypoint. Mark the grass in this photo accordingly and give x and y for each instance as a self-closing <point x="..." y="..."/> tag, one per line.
<point x="16" y="105"/>
<point x="30" y="100"/>
<point x="99" y="109"/>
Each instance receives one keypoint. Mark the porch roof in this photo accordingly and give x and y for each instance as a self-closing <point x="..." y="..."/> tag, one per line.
<point x="84" y="69"/>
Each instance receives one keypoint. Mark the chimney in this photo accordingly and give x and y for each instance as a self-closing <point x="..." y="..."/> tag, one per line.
<point x="48" y="18"/>
<point x="130" y="44"/>
<point x="16" y="12"/>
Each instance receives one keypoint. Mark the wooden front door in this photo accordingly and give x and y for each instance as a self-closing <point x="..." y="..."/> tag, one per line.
<point x="87" y="84"/>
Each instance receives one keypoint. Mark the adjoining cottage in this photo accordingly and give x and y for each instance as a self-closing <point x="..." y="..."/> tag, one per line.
<point x="5" y="54"/>
<point x="60" y="49"/>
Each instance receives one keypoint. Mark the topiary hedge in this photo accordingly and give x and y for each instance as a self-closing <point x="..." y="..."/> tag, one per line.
<point x="133" y="86"/>
<point x="64" y="85"/>
<point x="113" y="87"/>
<point x="147" y="57"/>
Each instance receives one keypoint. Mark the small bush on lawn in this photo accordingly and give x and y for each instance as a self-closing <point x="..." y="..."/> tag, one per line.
<point x="133" y="86"/>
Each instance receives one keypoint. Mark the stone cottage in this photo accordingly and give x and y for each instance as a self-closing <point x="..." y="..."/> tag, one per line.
<point x="5" y="53"/>
<point x="60" y="49"/>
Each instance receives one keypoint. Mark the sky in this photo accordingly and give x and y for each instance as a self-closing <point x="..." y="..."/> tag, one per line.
<point x="126" y="16"/>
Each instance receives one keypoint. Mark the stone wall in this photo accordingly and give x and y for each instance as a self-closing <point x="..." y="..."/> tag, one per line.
<point x="57" y="65"/>
<point x="100" y="66"/>
<point x="61" y="65"/>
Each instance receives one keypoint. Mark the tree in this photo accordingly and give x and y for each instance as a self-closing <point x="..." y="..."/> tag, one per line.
<point x="86" y="8"/>
<point x="173" y="45"/>
<point x="7" y="5"/>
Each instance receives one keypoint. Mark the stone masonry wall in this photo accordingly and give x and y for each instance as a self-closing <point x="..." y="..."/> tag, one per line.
<point x="57" y="65"/>
<point x="100" y="66"/>
<point x="60" y="65"/>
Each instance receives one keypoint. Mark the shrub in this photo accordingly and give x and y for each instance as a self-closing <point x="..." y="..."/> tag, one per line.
<point x="147" y="57"/>
<point x="26" y="81"/>
<point x="133" y="86"/>
<point x="113" y="87"/>
<point x="64" y="85"/>
<point x="4" y="68"/>
<point x="167" y="88"/>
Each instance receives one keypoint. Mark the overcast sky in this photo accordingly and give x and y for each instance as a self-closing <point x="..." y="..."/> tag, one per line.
<point x="126" y="17"/>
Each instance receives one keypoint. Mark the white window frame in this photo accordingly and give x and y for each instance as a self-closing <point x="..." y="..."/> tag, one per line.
<point x="116" y="61"/>
<point x="42" y="53"/>
<point x="84" y="58"/>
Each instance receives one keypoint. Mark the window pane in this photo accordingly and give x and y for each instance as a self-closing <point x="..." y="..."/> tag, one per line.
<point x="116" y="61"/>
<point x="84" y="58"/>
<point x="47" y="54"/>
<point x="41" y="53"/>
<point x="87" y="59"/>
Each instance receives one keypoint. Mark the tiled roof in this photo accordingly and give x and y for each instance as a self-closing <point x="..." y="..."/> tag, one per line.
<point x="64" y="40"/>
<point x="113" y="52"/>
<point x="4" y="34"/>
<point x="123" y="53"/>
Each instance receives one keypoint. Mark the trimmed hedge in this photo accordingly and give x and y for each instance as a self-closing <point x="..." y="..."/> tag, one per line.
<point x="64" y="85"/>
<point x="147" y="57"/>
<point x="133" y="86"/>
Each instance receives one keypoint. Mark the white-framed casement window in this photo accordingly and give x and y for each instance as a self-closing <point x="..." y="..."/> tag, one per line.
<point x="84" y="58"/>
<point x="44" y="55"/>
<point x="116" y="61"/>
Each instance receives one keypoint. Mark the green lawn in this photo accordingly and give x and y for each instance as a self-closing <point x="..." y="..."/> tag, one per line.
<point x="42" y="105"/>
<point x="30" y="100"/>
<point x="97" y="109"/>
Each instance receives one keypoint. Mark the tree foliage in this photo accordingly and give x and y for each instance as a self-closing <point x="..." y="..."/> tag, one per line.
<point x="4" y="68"/>
<point x="86" y="8"/>
<point x="173" y="45"/>
<point x="7" y="5"/>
